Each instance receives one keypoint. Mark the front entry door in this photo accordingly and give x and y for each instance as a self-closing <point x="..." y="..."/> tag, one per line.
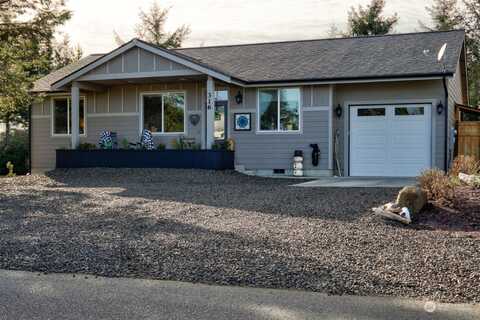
<point x="221" y="109"/>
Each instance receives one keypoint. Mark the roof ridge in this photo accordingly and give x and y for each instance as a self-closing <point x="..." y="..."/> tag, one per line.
<point x="319" y="39"/>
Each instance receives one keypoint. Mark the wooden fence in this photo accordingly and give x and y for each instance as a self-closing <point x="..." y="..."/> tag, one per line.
<point x="468" y="139"/>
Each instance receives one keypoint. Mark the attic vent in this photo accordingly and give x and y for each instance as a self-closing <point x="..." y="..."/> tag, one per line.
<point x="278" y="171"/>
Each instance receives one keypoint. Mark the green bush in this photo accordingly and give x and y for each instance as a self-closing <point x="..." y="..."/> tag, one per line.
<point x="161" y="147"/>
<point x="16" y="152"/>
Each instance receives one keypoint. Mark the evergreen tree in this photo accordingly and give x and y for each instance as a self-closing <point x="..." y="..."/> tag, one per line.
<point x="471" y="16"/>
<point x="444" y="15"/>
<point x="27" y="28"/>
<point x="370" y="21"/>
<point x="64" y="53"/>
<point x="151" y="28"/>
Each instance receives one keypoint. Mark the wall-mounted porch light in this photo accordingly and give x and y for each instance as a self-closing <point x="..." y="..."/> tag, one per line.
<point x="338" y="111"/>
<point x="239" y="98"/>
<point x="439" y="108"/>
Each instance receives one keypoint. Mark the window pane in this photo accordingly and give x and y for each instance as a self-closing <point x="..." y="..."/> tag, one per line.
<point x="152" y="113"/>
<point x="174" y="107"/>
<point x="371" y="112"/>
<point x="60" y="119"/>
<point x="268" y="109"/>
<point x="409" y="111"/>
<point x="82" y="116"/>
<point x="289" y="109"/>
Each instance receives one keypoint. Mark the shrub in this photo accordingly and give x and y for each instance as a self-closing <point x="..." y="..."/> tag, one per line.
<point x="161" y="147"/>
<point x="464" y="164"/>
<point x="125" y="144"/>
<point x="176" y="144"/>
<point x="87" y="146"/>
<point x="16" y="152"/>
<point x="438" y="185"/>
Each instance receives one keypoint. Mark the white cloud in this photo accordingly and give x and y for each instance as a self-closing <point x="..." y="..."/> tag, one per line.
<point x="226" y="22"/>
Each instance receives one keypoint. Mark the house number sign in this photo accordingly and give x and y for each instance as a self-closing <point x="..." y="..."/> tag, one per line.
<point x="210" y="101"/>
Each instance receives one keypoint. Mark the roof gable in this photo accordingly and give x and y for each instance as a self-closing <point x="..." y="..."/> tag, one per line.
<point x="128" y="52"/>
<point x="136" y="60"/>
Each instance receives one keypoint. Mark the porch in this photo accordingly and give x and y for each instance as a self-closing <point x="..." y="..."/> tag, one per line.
<point x="169" y="95"/>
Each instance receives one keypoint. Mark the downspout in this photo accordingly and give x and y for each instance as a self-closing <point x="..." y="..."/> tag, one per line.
<point x="446" y="121"/>
<point x="30" y="139"/>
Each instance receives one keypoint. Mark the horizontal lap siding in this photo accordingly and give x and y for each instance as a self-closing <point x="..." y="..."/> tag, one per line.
<point x="390" y="92"/>
<point x="264" y="151"/>
<point x="43" y="145"/>
<point x="114" y="110"/>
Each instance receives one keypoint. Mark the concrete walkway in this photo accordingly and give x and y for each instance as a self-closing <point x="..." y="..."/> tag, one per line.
<point x="25" y="295"/>
<point x="359" y="182"/>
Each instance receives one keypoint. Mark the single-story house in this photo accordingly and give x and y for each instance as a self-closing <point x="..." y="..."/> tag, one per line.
<point x="375" y="105"/>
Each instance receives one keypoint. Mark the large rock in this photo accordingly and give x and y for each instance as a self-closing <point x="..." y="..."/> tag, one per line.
<point x="412" y="197"/>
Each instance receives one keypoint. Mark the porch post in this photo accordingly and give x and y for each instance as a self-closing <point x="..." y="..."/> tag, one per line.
<point x="210" y="114"/>
<point x="75" y="115"/>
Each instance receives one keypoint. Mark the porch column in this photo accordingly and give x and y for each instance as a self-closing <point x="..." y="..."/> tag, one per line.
<point x="210" y="114"/>
<point x="75" y="116"/>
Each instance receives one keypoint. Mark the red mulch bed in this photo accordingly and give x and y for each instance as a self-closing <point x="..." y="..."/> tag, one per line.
<point x="462" y="215"/>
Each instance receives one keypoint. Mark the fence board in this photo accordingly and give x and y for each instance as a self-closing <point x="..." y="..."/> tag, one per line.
<point x="469" y="139"/>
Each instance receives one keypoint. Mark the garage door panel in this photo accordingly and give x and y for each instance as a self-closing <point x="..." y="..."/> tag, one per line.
<point x="396" y="144"/>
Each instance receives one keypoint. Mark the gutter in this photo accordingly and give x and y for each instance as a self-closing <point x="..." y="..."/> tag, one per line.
<point x="445" y="87"/>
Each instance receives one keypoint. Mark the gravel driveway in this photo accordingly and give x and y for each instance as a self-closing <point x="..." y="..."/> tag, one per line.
<point x="225" y="228"/>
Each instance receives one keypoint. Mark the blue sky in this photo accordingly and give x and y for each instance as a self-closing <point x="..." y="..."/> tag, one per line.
<point x="227" y="22"/>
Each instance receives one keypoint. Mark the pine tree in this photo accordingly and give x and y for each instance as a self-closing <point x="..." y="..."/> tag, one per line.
<point x="444" y="15"/>
<point x="64" y="53"/>
<point x="27" y="29"/>
<point x="151" y="28"/>
<point x="370" y="21"/>
<point x="471" y="16"/>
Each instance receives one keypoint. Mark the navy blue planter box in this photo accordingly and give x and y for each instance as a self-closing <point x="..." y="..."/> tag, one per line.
<point x="180" y="159"/>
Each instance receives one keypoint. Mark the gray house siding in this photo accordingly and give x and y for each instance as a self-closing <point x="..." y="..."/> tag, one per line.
<point x="390" y="92"/>
<point x="117" y="110"/>
<point x="264" y="152"/>
<point x="455" y="95"/>
<point x="137" y="60"/>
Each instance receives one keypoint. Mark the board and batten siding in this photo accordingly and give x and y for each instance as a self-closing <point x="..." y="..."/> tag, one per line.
<point x="390" y="92"/>
<point x="137" y="60"/>
<point x="118" y="110"/>
<point x="264" y="152"/>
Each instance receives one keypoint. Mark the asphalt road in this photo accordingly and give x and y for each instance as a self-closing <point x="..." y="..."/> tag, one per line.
<point x="25" y="295"/>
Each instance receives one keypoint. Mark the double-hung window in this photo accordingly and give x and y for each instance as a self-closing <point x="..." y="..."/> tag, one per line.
<point x="62" y="116"/>
<point x="279" y="110"/>
<point x="164" y="112"/>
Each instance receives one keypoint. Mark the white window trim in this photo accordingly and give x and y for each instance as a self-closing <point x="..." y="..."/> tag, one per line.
<point x="161" y="93"/>
<point x="278" y="131"/>
<point x="52" y="116"/>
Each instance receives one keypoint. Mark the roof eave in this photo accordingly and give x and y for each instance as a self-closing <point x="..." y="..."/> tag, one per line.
<point x="386" y="78"/>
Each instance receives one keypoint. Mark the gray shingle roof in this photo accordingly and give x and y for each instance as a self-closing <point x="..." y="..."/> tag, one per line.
<point x="396" y="55"/>
<point x="44" y="84"/>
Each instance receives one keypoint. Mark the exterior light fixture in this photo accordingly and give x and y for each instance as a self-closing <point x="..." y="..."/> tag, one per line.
<point x="239" y="98"/>
<point x="439" y="108"/>
<point x="338" y="111"/>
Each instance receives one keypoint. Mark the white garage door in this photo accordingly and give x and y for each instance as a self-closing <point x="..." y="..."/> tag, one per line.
<point x="390" y="140"/>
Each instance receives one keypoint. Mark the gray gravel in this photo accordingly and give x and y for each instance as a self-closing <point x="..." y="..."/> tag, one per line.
<point x="225" y="228"/>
